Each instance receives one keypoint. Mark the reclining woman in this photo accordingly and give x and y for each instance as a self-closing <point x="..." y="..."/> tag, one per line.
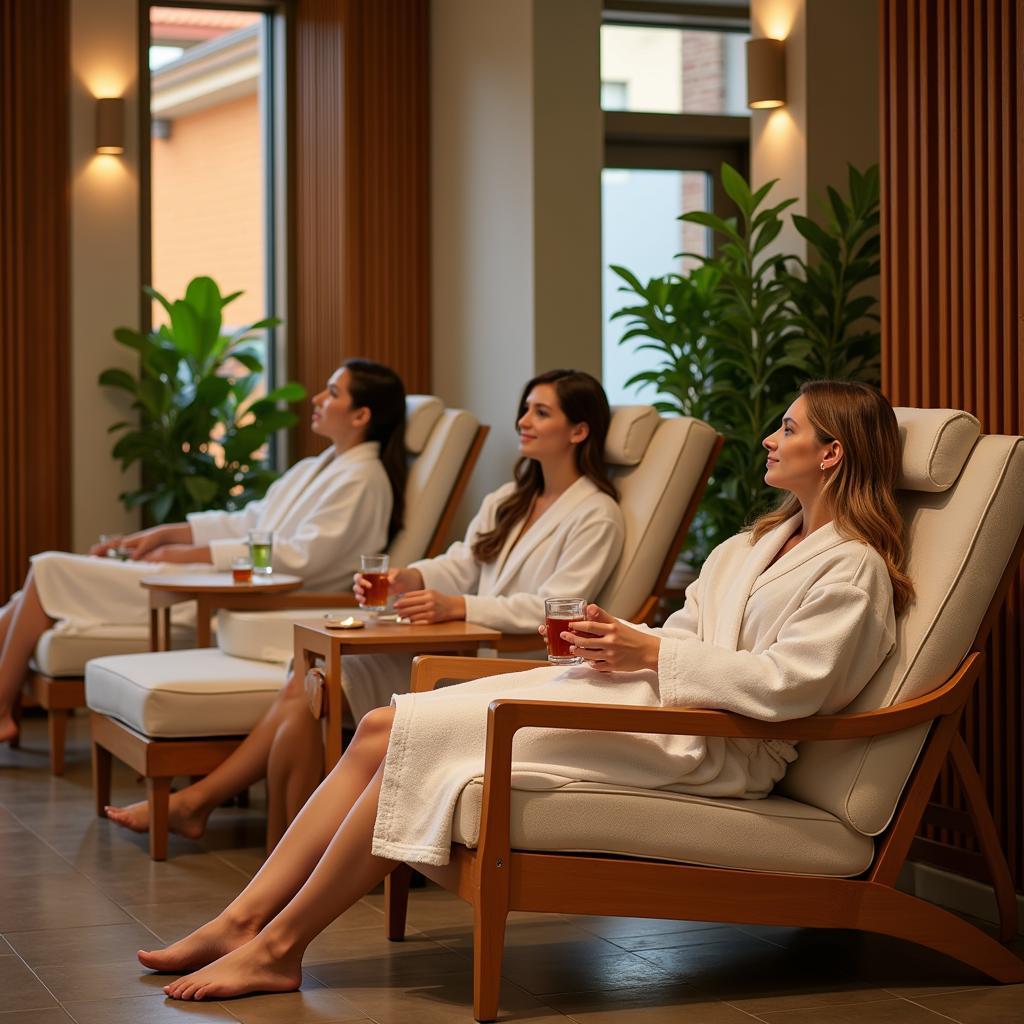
<point x="787" y="619"/>
<point x="556" y="529"/>
<point x="324" y="512"/>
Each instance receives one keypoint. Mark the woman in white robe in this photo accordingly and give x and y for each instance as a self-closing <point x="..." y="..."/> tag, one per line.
<point x="555" y="530"/>
<point x="324" y="513"/>
<point x="787" y="620"/>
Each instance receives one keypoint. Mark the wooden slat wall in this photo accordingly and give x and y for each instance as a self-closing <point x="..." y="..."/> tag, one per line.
<point x="361" y="199"/>
<point x="34" y="238"/>
<point x="952" y="307"/>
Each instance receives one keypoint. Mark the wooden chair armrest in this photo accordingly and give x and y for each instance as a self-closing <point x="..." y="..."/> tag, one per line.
<point x="429" y="669"/>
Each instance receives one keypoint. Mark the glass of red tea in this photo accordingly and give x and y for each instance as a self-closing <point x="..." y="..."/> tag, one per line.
<point x="558" y="613"/>
<point x="374" y="570"/>
<point x="241" y="570"/>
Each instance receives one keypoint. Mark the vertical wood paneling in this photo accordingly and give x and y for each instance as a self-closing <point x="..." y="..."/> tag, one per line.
<point x="953" y="309"/>
<point x="360" y="217"/>
<point x="34" y="239"/>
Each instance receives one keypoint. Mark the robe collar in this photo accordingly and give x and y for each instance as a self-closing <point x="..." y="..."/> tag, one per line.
<point x="511" y="558"/>
<point x="757" y="570"/>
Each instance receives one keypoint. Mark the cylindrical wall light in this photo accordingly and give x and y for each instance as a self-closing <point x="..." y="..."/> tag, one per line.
<point x="766" y="73"/>
<point x="110" y="125"/>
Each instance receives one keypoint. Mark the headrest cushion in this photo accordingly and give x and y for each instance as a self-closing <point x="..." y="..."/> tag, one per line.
<point x="421" y="415"/>
<point x="629" y="433"/>
<point x="936" y="443"/>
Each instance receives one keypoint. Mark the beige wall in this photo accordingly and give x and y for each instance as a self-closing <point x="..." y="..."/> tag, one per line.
<point x="831" y="112"/>
<point x="516" y="153"/>
<point x="104" y="259"/>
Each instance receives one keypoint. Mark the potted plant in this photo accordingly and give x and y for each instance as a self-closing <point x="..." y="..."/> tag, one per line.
<point x="201" y="436"/>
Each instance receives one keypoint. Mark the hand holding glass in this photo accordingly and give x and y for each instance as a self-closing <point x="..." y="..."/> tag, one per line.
<point x="261" y="551"/>
<point x="558" y="613"/>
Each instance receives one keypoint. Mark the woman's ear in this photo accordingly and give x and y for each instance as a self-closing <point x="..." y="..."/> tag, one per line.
<point x="580" y="432"/>
<point x="361" y="417"/>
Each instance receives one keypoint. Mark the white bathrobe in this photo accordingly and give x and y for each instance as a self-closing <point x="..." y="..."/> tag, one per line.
<point x="772" y="642"/>
<point x="569" y="551"/>
<point x="325" y="512"/>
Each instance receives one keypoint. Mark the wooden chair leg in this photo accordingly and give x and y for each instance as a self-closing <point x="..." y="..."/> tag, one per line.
<point x="396" y="901"/>
<point x="101" y="761"/>
<point x="159" y="802"/>
<point x="988" y="838"/>
<point x="488" y="949"/>
<point x="57" y="726"/>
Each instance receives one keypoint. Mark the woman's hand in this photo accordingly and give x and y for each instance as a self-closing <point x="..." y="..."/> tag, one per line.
<point x="610" y="645"/>
<point x="424" y="606"/>
<point x="181" y="554"/>
<point x="140" y="545"/>
<point x="400" y="581"/>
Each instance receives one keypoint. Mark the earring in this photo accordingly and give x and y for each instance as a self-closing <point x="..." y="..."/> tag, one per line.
<point x="823" y="467"/>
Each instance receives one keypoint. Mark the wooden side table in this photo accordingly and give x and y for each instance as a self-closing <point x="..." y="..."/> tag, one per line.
<point x="315" y="642"/>
<point x="210" y="591"/>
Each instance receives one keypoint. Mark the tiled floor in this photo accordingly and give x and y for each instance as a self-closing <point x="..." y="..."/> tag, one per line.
<point x="79" y="896"/>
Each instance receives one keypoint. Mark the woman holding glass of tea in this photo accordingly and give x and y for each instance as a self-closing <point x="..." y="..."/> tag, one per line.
<point x="324" y="512"/>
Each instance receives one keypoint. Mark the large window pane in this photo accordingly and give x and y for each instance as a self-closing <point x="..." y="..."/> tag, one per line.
<point x="641" y="232"/>
<point x="673" y="70"/>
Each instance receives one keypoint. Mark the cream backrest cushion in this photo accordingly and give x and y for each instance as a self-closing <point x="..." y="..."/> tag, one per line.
<point x="959" y="541"/>
<point x="421" y="415"/>
<point x="653" y="495"/>
<point x="432" y="475"/>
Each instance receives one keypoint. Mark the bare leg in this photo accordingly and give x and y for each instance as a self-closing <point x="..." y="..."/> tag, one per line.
<point x="272" y="960"/>
<point x="294" y="769"/>
<point x="294" y="858"/>
<point x="26" y="625"/>
<point x="191" y="806"/>
<point x="6" y="615"/>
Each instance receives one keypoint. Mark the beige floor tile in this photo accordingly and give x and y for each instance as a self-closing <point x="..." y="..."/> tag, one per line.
<point x="656" y="1004"/>
<point x="886" y="1011"/>
<point x="54" y="1015"/>
<point x="576" y="967"/>
<point x="316" y="1005"/>
<point x="198" y="876"/>
<point x="23" y="854"/>
<point x="523" y="933"/>
<point x="1000" y="1004"/>
<point x="55" y="901"/>
<point x="87" y="982"/>
<point x="148" y="1010"/>
<point x="670" y="940"/>
<point x="248" y="861"/>
<point x="20" y="989"/>
<point x="106" y="944"/>
<point x="408" y="967"/>
<point x="611" y="927"/>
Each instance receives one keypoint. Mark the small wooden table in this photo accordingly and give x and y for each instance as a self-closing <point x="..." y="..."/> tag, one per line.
<point x="210" y="591"/>
<point x="314" y="642"/>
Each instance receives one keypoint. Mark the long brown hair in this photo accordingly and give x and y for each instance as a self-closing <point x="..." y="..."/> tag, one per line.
<point x="583" y="401"/>
<point x="378" y="388"/>
<point x="862" y="489"/>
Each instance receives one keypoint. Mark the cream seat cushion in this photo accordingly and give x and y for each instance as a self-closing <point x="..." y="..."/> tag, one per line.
<point x="177" y="694"/>
<point x="773" y="834"/>
<point x="63" y="654"/>
<point x="266" y="636"/>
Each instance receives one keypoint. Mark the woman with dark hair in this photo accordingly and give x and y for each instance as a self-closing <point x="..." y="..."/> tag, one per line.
<point x="554" y="531"/>
<point x="788" y="619"/>
<point x="324" y="512"/>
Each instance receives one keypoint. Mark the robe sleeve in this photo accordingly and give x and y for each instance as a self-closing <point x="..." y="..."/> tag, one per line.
<point x="823" y="656"/>
<point x="588" y="555"/>
<point x="219" y="525"/>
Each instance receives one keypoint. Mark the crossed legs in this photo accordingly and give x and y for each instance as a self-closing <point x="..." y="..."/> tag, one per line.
<point x="321" y="866"/>
<point x="285" y="748"/>
<point x="22" y="623"/>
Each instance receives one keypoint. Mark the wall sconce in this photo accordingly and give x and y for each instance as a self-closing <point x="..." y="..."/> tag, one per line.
<point x="766" y="73"/>
<point x="110" y="125"/>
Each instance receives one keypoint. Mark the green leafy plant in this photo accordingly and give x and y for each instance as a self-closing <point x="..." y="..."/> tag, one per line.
<point x="738" y="334"/>
<point x="199" y="434"/>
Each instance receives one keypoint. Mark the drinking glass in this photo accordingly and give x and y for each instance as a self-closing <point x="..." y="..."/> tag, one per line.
<point x="558" y="613"/>
<point x="241" y="570"/>
<point x="374" y="569"/>
<point x="261" y="544"/>
<point x="117" y="551"/>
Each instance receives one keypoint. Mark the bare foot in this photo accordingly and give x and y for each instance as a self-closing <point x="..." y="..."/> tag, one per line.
<point x="206" y="944"/>
<point x="182" y="819"/>
<point x="8" y="728"/>
<point x="250" y="968"/>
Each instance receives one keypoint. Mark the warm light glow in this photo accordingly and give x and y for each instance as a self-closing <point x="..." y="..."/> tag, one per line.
<point x="775" y="17"/>
<point x="109" y="150"/>
<point x="766" y="104"/>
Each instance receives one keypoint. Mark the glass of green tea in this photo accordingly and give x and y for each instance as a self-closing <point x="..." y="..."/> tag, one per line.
<point x="261" y="544"/>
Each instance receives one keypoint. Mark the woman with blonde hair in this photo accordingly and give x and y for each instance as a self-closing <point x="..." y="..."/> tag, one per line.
<point x="787" y="619"/>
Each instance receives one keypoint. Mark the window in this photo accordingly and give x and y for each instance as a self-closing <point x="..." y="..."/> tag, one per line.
<point x="673" y="96"/>
<point x="214" y="175"/>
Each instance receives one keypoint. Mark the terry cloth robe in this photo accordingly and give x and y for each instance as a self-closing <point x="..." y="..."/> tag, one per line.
<point x="569" y="551"/>
<point x="325" y="512"/>
<point x="771" y="641"/>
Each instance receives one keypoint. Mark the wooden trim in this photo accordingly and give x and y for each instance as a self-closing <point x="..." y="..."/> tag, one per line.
<point x="35" y="386"/>
<point x="439" y="539"/>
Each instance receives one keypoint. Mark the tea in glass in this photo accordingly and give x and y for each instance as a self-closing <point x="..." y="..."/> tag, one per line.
<point x="261" y="548"/>
<point x="241" y="570"/>
<point x="374" y="570"/>
<point x="559" y="612"/>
